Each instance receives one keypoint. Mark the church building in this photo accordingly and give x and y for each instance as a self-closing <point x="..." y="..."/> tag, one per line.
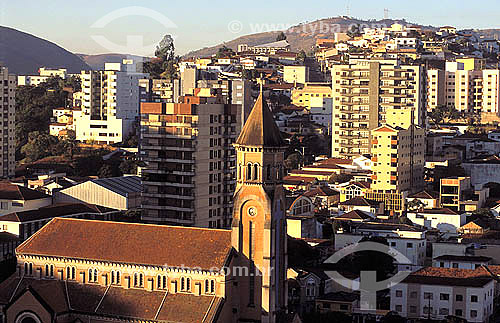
<point x="99" y="271"/>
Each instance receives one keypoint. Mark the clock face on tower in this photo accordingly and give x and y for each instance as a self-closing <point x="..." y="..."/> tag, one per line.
<point x="252" y="211"/>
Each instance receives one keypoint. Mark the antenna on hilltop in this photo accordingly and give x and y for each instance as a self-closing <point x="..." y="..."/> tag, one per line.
<point x="386" y="13"/>
<point x="348" y="13"/>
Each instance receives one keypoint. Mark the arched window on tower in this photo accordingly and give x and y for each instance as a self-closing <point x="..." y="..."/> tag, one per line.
<point x="268" y="172"/>
<point x="256" y="171"/>
<point x="249" y="171"/>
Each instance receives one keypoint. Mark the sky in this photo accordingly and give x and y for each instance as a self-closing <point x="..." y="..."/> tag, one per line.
<point x="135" y="27"/>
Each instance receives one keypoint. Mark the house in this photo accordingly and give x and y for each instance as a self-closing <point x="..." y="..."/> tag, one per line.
<point x="120" y="193"/>
<point x="475" y="227"/>
<point x="306" y="285"/>
<point x="304" y="227"/>
<point x="440" y="292"/>
<point x="340" y="301"/>
<point x="410" y="241"/>
<point x="429" y="199"/>
<point x="351" y="190"/>
<point x="443" y="219"/>
<point x="26" y="223"/>
<point x="8" y="244"/>
<point x="354" y="216"/>
<point x="360" y="203"/>
<point x="483" y="170"/>
<point x="461" y="262"/>
<point x="15" y="198"/>
<point x="323" y="196"/>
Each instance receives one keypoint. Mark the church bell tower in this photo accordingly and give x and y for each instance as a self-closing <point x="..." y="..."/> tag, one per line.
<point x="259" y="222"/>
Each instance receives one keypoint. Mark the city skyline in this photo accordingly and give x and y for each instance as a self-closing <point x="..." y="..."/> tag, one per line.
<point x="73" y="26"/>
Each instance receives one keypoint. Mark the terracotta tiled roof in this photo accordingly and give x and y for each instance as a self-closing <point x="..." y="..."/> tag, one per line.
<point x="360" y="201"/>
<point x="52" y="211"/>
<point x="336" y="161"/>
<point x="260" y="128"/>
<point x="353" y="215"/>
<point x="321" y="191"/>
<point x="450" y="277"/>
<point x="130" y="243"/>
<point x="15" y="192"/>
<point x="425" y="195"/>
<point x="464" y="258"/>
<point x="98" y="301"/>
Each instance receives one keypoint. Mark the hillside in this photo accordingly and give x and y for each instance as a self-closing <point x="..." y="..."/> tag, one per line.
<point x="96" y="62"/>
<point x="302" y="36"/>
<point x="23" y="53"/>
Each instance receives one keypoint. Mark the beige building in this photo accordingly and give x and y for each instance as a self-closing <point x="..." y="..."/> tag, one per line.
<point x="110" y="104"/>
<point x="7" y="130"/>
<point x="296" y="74"/>
<point x="362" y="94"/>
<point x="398" y="164"/>
<point x="190" y="173"/>
<point x="302" y="97"/>
<point x="467" y="87"/>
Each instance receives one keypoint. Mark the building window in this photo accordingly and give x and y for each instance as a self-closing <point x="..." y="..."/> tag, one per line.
<point x="70" y="273"/>
<point x="161" y="282"/>
<point x="249" y="171"/>
<point x="444" y="297"/>
<point x="399" y="293"/>
<point x="444" y="311"/>
<point x="399" y="308"/>
<point x="138" y="280"/>
<point x="256" y="171"/>
<point x="473" y="313"/>
<point x="458" y="312"/>
<point x="28" y="269"/>
<point x="413" y="309"/>
<point x="268" y="172"/>
<point x="428" y="296"/>
<point x="473" y="298"/>
<point x="209" y="286"/>
<point x="115" y="277"/>
<point x="49" y="271"/>
<point x="413" y="294"/>
<point x="427" y="310"/>
<point x="93" y="275"/>
<point x="459" y="298"/>
<point x="185" y="284"/>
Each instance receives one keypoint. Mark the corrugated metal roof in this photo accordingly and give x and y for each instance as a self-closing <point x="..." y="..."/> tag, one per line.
<point x="121" y="185"/>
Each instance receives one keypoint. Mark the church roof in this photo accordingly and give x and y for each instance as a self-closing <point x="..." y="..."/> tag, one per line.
<point x="131" y="243"/>
<point x="260" y="128"/>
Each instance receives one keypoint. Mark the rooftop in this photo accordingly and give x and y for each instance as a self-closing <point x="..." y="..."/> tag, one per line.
<point x="354" y="215"/>
<point x="10" y="191"/>
<point x="121" y="185"/>
<point x="260" y="128"/>
<point x="130" y="243"/>
<point x="360" y="201"/>
<point x="450" y="277"/>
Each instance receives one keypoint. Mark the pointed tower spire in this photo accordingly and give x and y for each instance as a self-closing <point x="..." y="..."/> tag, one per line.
<point x="260" y="128"/>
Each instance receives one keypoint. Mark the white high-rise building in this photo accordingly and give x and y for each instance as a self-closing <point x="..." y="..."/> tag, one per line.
<point x="110" y="104"/>
<point x="8" y="83"/>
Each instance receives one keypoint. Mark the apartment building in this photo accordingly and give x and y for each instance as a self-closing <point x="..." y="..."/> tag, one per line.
<point x="465" y="87"/>
<point x="457" y="194"/>
<point x="190" y="173"/>
<point x="398" y="164"/>
<point x="44" y="74"/>
<point x="296" y="74"/>
<point x="306" y="96"/>
<point x="8" y="85"/>
<point x="110" y="104"/>
<point x="362" y="93"/>
<point x="435" y="293"/>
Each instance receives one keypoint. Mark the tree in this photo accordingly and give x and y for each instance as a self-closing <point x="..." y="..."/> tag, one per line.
<point x="166" y="49"/>
<point x="444" y="113"/>
<point x="354" y="31"/>
<point x="281" y="36"/>
<point x="301" y="56"/>
<point x="128" y="166"/>
<point x="415" y="205"/>
<point x="292" y="162"/>
<point x="224" y="51"/>
<point x="39" y="145"/>
<point x="106" y="171"/>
